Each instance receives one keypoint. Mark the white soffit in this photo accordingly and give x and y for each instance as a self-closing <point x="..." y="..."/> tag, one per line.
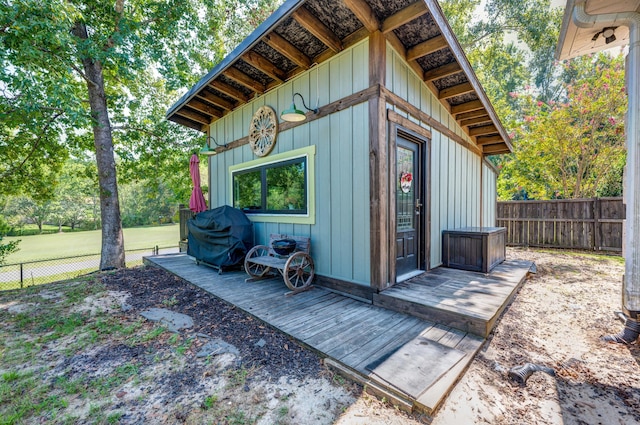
<point x="576" y="41"/>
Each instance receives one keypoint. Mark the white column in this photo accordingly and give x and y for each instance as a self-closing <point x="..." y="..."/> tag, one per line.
<point x="631" y="289"/>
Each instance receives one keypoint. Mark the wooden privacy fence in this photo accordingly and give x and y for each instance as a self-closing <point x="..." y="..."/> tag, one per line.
<point x="592" y="224"/>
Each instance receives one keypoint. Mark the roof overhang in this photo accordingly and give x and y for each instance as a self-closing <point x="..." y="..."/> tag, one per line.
<point x="576" y="40"/>
<point x="302" y="33"/>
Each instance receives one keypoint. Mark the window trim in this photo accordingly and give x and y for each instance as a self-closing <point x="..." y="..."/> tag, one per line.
<point x="309" y="153"/>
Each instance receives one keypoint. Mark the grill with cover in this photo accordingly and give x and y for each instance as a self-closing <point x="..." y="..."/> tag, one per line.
<point x="220" y="237"/>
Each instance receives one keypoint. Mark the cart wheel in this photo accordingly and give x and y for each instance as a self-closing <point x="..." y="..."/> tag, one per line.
<point x="253" y="269"/>
<point x="299" y="271"/>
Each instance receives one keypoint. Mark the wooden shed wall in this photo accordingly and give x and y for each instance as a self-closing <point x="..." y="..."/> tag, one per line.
<point x="490" y="195"/>
<point x="454" y="169"/>
<point x="340" y="235"/>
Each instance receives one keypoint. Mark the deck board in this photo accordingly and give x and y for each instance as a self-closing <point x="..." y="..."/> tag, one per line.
<point x="469" y="301"/>
<point x="353" y="333"/>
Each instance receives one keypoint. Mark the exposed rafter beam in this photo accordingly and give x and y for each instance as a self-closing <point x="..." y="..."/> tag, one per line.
<point x="187" y="123"/>
<point x="204" y="108"/>
<point x="455" y="91"/>
<point x="471" y="114"/>
<point x="426" y="47"/>
<point x="287" y="49"/>
<point x="240" y="77"/>
<point x="264" y="65"/>
<point x="216" y="100"/>
<point x="467" y="106"/>
<point x="403" y="16"/>
<point x="229" y="91"/>
<point x="485" y="129"/>
<point x="363" y="12"/>
<point x="495" y="149"/>
<point x="194" y="116"/>
<point x="318" y="29"/>
<point x="442" y="71"/>
<point x="477" y="120"/>
<point x="489" y="140"/>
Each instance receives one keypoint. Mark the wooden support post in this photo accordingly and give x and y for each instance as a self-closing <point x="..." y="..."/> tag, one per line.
<point x="378" y="167"/>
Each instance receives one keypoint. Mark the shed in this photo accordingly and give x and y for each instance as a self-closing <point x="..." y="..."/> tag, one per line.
<point x="392" y="149"/>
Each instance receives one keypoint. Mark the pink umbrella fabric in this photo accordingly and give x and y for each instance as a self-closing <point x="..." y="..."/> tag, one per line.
<point x="196" y="202"/>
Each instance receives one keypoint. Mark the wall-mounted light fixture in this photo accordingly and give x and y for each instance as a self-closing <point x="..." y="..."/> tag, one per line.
<point x="207" y="149"/>
<point x="293" y="114"/>
<point x="607" y="33"/>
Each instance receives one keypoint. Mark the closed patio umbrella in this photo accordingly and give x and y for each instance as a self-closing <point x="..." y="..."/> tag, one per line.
<point x="196" y="202"/>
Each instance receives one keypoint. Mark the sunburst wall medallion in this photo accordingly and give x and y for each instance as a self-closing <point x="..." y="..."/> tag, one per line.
<point x="263" y="131"/>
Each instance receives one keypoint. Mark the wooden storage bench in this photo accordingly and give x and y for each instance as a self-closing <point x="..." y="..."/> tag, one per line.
<point x="477" y="249"/>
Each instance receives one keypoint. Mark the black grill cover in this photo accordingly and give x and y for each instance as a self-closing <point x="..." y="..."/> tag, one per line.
<point x="220" y="237"/>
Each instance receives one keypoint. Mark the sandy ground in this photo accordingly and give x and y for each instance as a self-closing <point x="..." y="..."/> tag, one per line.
<point x="556" y="321"/>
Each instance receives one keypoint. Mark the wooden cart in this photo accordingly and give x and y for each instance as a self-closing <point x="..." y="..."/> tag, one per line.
<point x="297" y="269"/>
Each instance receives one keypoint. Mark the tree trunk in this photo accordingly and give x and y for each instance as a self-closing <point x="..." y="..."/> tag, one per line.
<point x="112" y="254"/>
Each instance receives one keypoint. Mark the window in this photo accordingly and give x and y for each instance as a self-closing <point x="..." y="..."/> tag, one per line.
<point x="276" y="188"/>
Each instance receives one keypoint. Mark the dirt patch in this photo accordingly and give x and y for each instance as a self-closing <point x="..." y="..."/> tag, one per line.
<point x="79" y="352"/>
<point x="556" y="320"/>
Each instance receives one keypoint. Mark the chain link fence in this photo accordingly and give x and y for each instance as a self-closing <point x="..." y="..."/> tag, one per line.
<point x="30" y="273"/>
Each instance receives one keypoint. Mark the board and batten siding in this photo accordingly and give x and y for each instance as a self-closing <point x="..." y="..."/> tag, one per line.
<point x="455" y="171"/>
<point x="340" y="236"/>
<point x="490" y="195"/>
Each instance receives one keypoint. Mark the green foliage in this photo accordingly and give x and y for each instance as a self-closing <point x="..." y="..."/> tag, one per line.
<point x="575" y="148"/>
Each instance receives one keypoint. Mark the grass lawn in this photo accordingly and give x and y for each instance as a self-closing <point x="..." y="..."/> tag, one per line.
<point x="38" y="247"/>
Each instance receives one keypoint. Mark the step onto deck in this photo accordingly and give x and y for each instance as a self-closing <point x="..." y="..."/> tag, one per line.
<point x="469" y="301"/>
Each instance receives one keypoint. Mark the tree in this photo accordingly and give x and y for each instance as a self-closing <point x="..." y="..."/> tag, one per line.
<point x="571" y="149"/>
<point x="6" y="248"/>
<point x="67" y="66"/>
<point x="31" y="211"/>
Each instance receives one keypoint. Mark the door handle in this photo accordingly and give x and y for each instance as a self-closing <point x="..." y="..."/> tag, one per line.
<point x="418" y="206"/>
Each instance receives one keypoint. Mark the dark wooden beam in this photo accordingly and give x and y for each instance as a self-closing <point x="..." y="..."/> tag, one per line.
<point x="187" y="123"/>
<point x="455" y="91"/>
<point x="426" y="47"/>
<point x="408" y="124"/>
<point x="485" y="129"/>
<point x="379" y="150"/>
<point x="240" y="77"/>
<point x="264" y="65"/>
<point x="427" y="119"/>
<point x="287" y="49"/>
<point x="403" y="16"/>
<point x="466" y="107"/>
<point x="348" y="41"/>
<point x="193" y="116"/>
<point x="495" y="149"/>
<point x="471" y="114"/>
<point x="204" y="108"/>
<point x="318" y="29"/>
<point x="489" y="140"/>
<point x="216" y="100"/>
<point x="230" y="91"/>
<point x="363" y="12"/>
<point x="442" y="71"/>
<point x="477" y="120"/>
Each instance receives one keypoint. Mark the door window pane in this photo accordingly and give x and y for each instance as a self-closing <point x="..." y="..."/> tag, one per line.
<point x="405" y="190"/>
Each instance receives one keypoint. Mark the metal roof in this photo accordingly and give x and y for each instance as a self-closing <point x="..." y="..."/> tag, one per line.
<point x="305" y="32"/>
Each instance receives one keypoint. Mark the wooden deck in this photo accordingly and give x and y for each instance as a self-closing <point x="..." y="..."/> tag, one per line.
<point x="468" y="301"/>
<point x="411" y="360"/>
